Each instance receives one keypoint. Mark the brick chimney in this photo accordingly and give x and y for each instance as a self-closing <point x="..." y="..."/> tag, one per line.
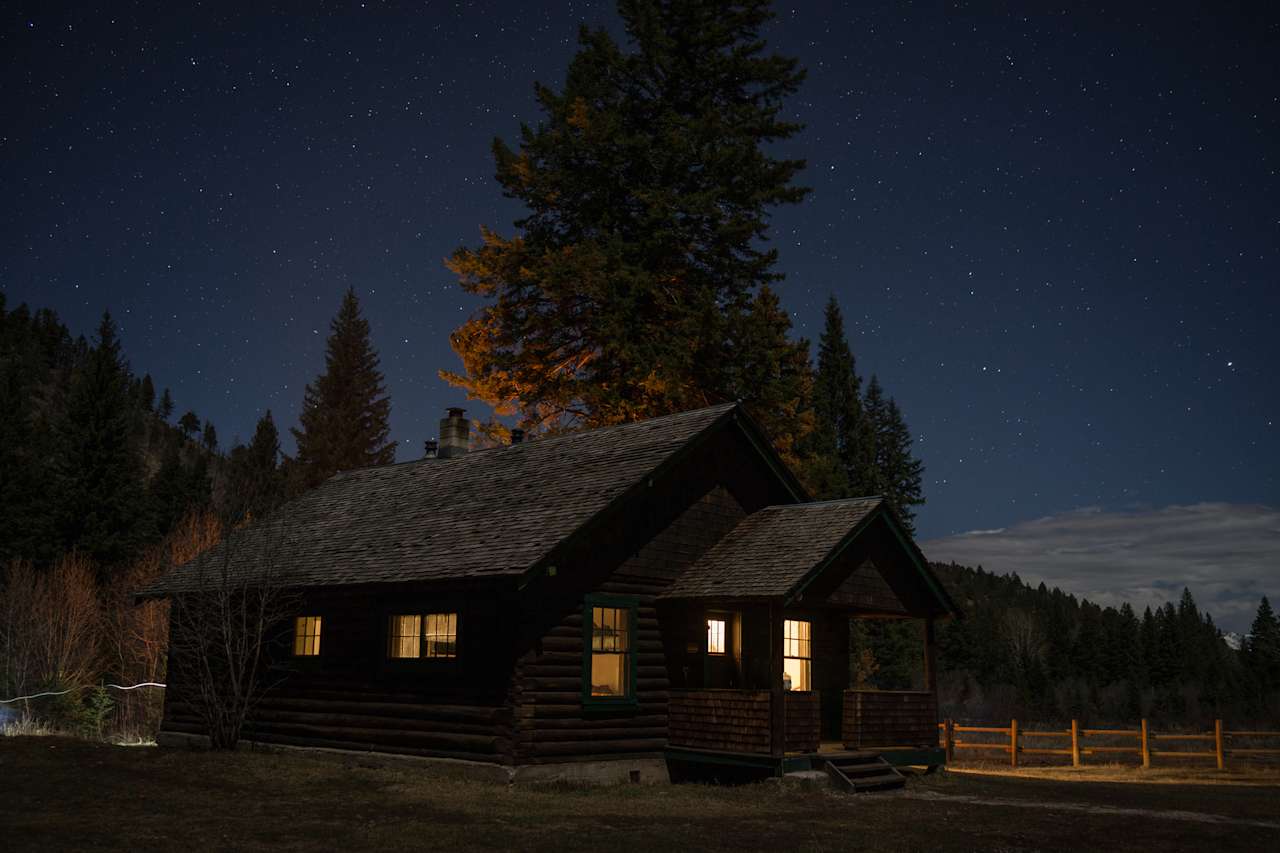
<point x="455" y="434"/>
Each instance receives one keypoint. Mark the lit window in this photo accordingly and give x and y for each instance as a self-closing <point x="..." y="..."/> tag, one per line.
<point x="610" y="652"/>
<point x="797" y="657"/>
<point x="404" y="636"/>
<point x="432" y="635"/>
<point x="441" y="635"/>
<point x="306" y="636"/>
<point x="715" y="637"/>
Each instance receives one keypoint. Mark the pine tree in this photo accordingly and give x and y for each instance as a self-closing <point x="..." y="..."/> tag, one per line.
<point x="165" y="411"/>
<point x="629" y="289"/>
<point x="345" y="412"/>
<point x="189" y="424"/>
<point x="875" y="408"/>
<point x="25" y="514"/>
<point x="1262" y="649"/>
<point x="169" y="491"/>
<point x="147" y="393"/>
<point x="836" y="441"/>
<point x="773" y="378"/>
<point x="98" y="470"/>
<point x="896" y="474"/>
<point x="209" y="437"/>
<point x="902" y="472"/>
<point x="256" y="484"/>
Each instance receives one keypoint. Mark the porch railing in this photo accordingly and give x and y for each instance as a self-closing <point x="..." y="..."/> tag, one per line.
<point x="738" y="720"/>
<point x="880" y="718"/>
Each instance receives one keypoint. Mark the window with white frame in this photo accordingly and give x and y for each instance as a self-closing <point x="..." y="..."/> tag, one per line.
<point x="797" y="654"/>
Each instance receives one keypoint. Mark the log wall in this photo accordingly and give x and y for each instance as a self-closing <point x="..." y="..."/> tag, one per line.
<point x="552" y="722"/>
<point x="875" y="718"/>
<point x="352" y="697"/>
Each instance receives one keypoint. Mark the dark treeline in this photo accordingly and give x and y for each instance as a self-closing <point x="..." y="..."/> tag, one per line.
<point x="103" y="487"/>
<point x="92" y="458"/>
<point x="1040" y="654"/>
<point x="95" y="461"/>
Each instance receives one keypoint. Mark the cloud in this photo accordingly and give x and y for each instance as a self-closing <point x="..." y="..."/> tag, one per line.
<point x="1227" y="554"/>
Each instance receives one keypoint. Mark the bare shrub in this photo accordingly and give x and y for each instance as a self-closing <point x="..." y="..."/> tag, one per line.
<point x="228" y="611"/>
<point x="138" y="632"/>
<point x="49" y="631"/>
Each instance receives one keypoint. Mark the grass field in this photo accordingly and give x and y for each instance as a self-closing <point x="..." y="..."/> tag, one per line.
<point x="57" y="793"/>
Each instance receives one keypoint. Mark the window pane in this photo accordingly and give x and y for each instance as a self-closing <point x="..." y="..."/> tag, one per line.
<point x="795" y="633"/>
<point x="442" y="635"/>
<point x="404" y="636"/>
<point x="608" y="674"/>
<point x="796" y="653"/>
<point x="306" y="636"/>
<point x="715" y="637"/>
<point x="610" y="644"/>
<point x="609" y="629"/>
<point x="795" y="674"/>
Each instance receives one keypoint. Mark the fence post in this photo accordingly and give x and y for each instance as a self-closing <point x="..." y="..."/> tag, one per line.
<point x="1075" y="743"/>
<point x="1217" y="743"/>
<point x="1013" y="743"/>
<point x="1146" y="747"/>
<point x="950" y="735"/>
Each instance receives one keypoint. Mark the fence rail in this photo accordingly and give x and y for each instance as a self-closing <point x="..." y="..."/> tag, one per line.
<point x="1145" y="748"/>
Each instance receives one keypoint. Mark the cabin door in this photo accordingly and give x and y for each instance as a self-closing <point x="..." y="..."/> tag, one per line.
<point x="723" y="666"/>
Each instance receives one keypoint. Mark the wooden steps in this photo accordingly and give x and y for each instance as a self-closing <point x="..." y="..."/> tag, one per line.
<point x="858" y="772"/>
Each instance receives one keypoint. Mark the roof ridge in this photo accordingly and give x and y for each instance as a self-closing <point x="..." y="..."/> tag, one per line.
<point x="556" y="436"/>
<point x="828" y="502"/>
<point x="538" y="440"/>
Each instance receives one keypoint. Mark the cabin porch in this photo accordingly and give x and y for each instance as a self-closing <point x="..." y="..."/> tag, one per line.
<point x="808" y="712"/>
<point x="769" y="661"/>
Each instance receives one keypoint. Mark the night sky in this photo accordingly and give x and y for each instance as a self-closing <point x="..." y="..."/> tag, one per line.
<point x="1054" y="234"/>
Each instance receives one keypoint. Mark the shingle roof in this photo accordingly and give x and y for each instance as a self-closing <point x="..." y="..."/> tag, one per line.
<point x="486" y="514"/>
<point x="772" y="550"/>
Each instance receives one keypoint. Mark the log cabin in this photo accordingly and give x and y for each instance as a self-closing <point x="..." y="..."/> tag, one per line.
<point x="651" y="601"/>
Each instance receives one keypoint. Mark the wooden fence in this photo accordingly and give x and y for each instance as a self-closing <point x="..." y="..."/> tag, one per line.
<point x="1146" y="744"/>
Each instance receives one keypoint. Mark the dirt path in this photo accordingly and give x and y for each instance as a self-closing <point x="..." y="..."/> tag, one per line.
<point x="1087" y="808"/>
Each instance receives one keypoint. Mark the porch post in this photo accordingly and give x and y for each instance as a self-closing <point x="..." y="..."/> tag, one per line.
<point x="777" y="699"/>
<point x="930" y="658"/>
<point x="930" y="664"/>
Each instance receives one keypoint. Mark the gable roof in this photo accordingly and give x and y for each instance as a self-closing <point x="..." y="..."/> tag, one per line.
<point x="489" y="513"/>
<point x="776" y="551"/>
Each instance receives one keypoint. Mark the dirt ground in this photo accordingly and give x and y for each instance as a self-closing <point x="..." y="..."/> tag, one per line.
<point x="62" y="794"/>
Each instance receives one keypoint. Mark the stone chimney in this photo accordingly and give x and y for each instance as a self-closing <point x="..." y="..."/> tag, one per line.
<point x="455" y="434"/>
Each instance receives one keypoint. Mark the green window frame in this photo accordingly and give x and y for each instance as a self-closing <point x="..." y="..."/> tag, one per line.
<point x="609" y="627"/>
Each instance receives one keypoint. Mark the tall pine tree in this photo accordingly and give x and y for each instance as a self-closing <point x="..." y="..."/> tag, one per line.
<point x="1262" y="649"/>
<point x="901" y="472"/>
<point x="255" y="482"/>
<point x="98" y="468"/>
<point x="345" y="411"/>
<point x="838" y="441"/>
<point x="631" y="286"/>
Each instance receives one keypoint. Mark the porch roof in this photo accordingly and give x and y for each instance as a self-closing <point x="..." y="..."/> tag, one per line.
<point x="774" y="552"/>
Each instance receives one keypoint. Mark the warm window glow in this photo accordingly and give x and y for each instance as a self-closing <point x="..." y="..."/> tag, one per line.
<point x="442" y="635"/>
<point x="404" y="636"/>
<point x="610" y="651"/>
<point x="306" y="636"/>
<point x="796" y="653"/>
<point x="715" y="637"/>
